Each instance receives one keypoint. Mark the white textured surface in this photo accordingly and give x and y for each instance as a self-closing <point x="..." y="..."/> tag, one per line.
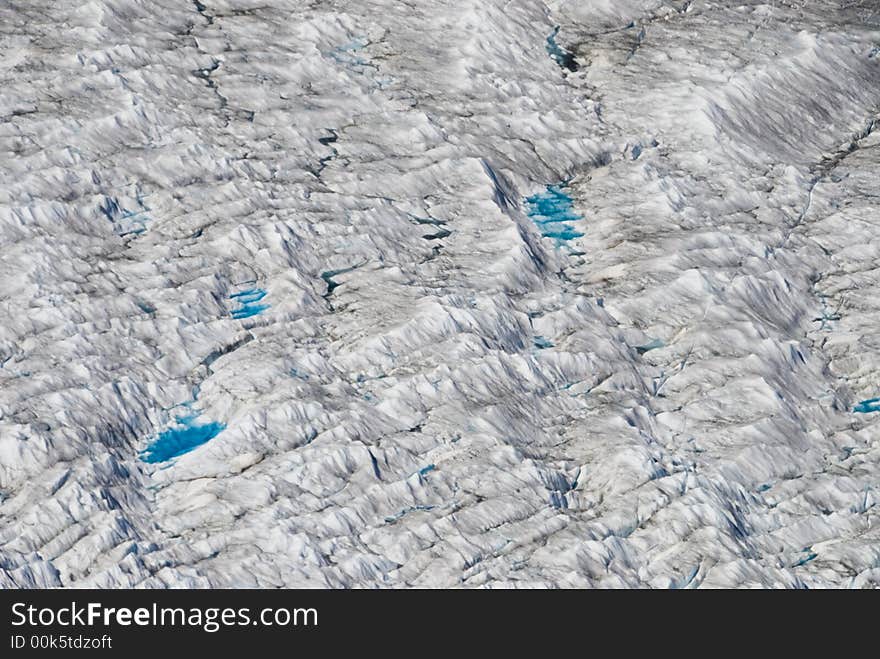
<point x="740" y="236"/>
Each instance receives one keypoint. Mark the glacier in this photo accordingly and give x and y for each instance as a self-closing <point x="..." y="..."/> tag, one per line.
<point x="317" y="218"/>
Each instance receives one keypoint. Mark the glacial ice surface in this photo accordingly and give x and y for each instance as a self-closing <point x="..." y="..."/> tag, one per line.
<point x="660" y="374"/>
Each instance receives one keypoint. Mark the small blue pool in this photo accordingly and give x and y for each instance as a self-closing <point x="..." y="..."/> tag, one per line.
<point x="560" y="55"/>
<point x="868" y="406"/>
<point x="187" y="434"/>
<point x="552" y="211"/>
<point x="249" y="303"/>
